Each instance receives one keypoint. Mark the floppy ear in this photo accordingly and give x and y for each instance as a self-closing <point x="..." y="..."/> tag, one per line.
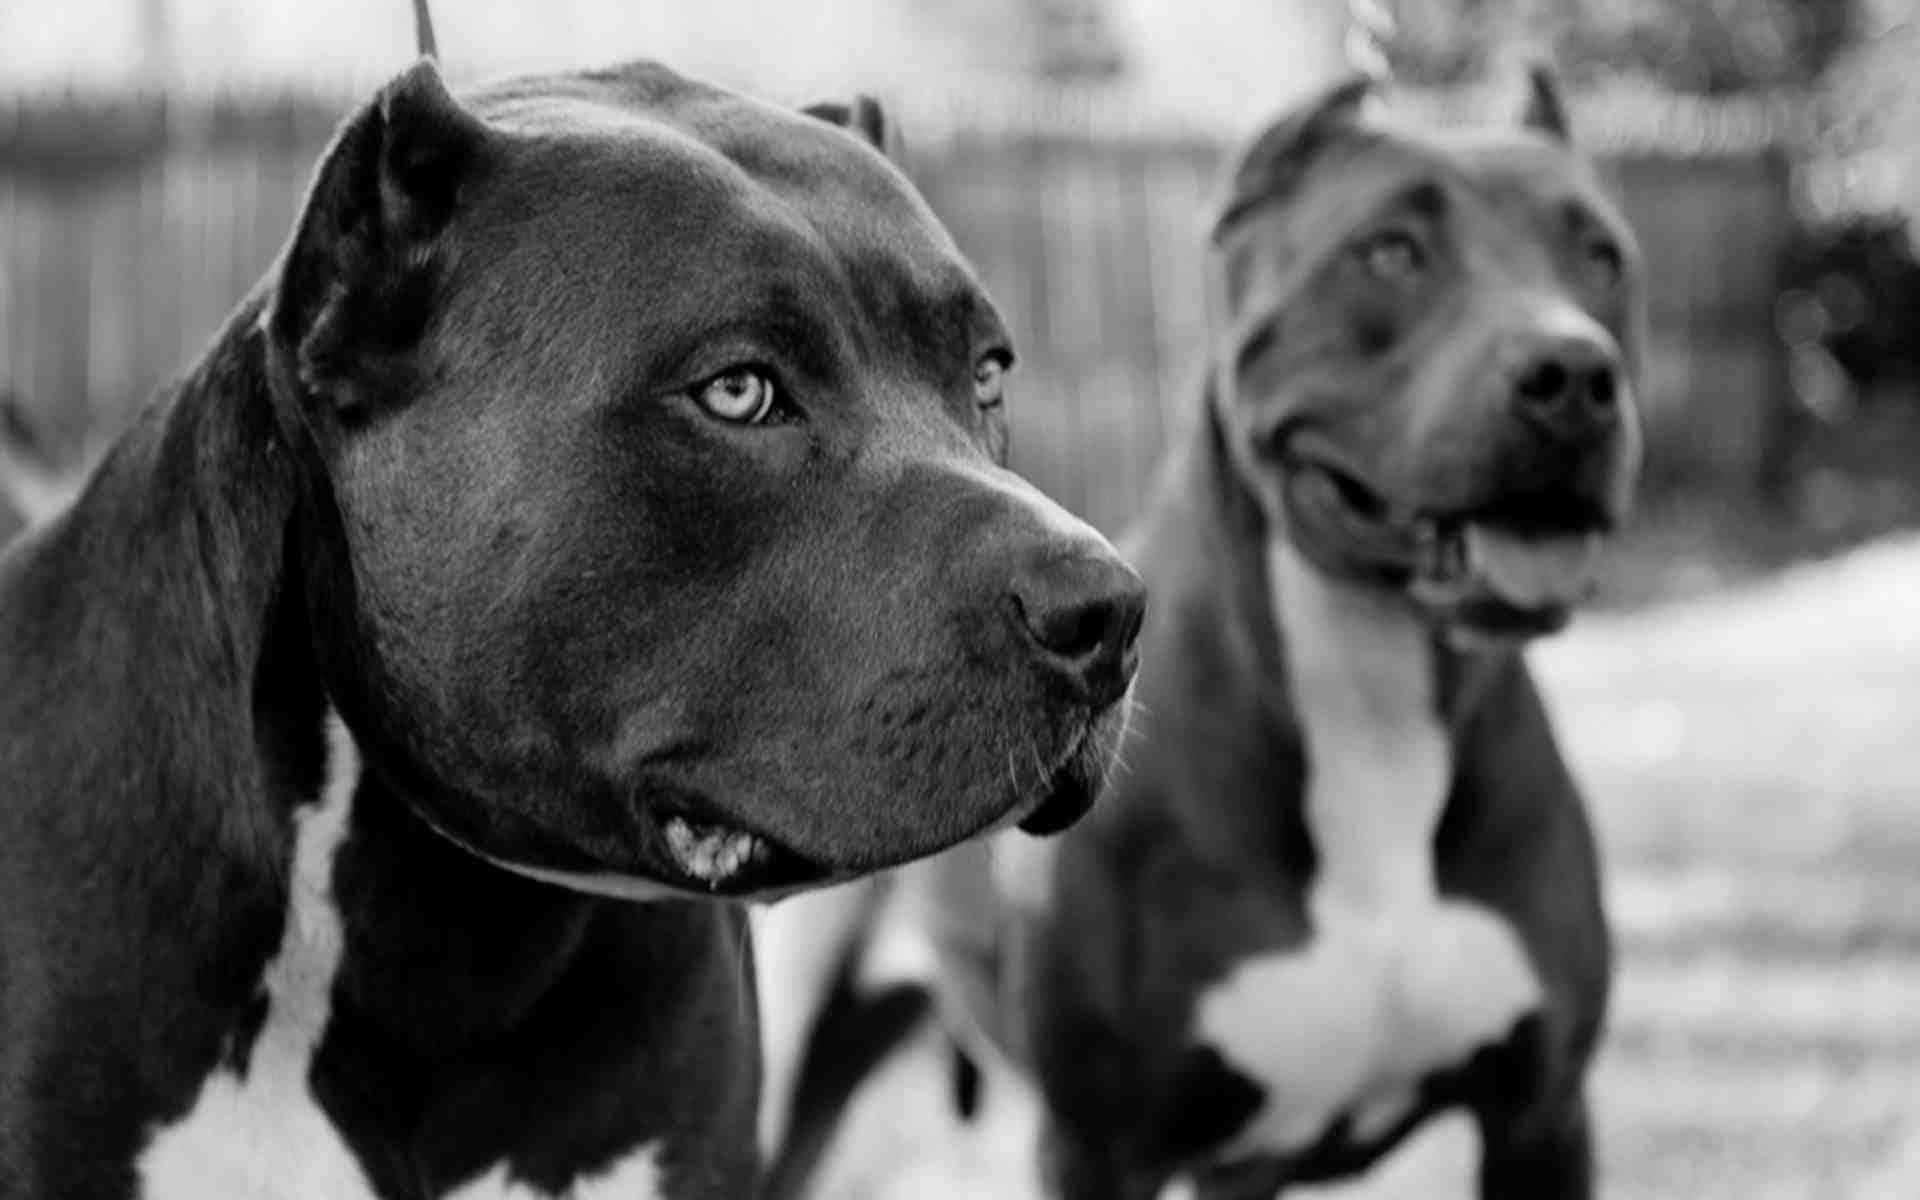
<point x="863" y="118"/>
<point x="1274" y="160"/>
<point x="1546" y="110"/>
<point x="356" y="287"/>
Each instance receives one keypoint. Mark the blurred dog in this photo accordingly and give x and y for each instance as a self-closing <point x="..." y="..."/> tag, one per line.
<point x="1347" y="881"/>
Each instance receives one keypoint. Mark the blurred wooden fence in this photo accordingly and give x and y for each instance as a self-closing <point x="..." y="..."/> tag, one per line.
<point x="128" y="230"/>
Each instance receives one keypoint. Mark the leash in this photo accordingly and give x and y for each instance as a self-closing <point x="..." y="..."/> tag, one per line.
<point x="423" y="38"/>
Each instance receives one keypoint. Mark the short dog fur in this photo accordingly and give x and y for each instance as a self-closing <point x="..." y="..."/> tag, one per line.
<point x="598" y="510"/>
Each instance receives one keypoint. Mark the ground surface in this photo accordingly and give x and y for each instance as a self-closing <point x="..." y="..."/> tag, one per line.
<point x="1754" y="764"/>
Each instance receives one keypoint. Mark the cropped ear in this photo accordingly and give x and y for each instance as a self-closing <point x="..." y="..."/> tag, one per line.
<point x="356" y="286"/>
<point x="37" y="478"/>
<point x="1546" y="110"/>
<point x="1275" y="159"/>
<point x="863" y="118"/>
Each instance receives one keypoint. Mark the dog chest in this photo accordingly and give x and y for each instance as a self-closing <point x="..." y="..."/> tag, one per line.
<point x="1350" y="1022"/>
<point x="1394" y="981"/>
<point x="257" y="1132"/>
<point x="634" y="1177"/>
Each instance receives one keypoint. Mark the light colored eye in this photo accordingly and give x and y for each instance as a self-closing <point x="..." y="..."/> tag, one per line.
<point x="990" y="382"/>
<point x="742" y="396"/>
<point x="1393" y="256"/>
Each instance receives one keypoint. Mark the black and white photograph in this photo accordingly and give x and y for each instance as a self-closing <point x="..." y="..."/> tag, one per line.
<point x="959" y="600"/>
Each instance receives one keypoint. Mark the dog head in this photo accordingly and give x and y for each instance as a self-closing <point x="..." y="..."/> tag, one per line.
<point x="655" y="528"/>
<point x="1428" y="355"/>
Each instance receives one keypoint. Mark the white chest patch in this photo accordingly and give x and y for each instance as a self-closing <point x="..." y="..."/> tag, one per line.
<point x="263" y="1136"/>
<point x="635" y="1177"/>
<point x="1395" y="981"/>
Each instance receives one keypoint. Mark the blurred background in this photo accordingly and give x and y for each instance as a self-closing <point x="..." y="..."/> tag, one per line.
<point x="1746" y="708"/>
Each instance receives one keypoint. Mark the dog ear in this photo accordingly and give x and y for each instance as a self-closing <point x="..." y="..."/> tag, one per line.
<point x="355" y="288"/>
<point x="36" y="478"/>
<point x="863" y="117"/>
<point x="1546" y="109"/>
<point x="1274" y="160"/>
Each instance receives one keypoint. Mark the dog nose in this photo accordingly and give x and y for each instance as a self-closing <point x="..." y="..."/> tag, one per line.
<point x="1083" y="615"/>
<point x="1569" y="392"/>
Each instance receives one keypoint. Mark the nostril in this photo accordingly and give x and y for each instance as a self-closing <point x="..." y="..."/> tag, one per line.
<point x="1084" y="614"/>
<point x="1071" y="630"/>
<point x="1603" y="392"/>
<point x="1569" y="394"/>
<point x="1544" y="383"/>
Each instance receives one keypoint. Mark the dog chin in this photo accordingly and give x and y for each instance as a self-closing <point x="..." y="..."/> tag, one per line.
<point x="685" y="849"/>
<point x="1073" y="787"/>
<point x="678" y="858"/>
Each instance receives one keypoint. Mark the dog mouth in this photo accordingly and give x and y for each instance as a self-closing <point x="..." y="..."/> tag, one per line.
<point x="1515" y="570"/>
<point x="1069" y="789"/>
<point x="1504" y="580"/>
<point x="711" y="855"/>
<point x="682" y="842"/>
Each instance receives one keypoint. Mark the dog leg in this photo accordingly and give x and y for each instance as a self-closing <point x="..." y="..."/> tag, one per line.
<point x="1072" y="1169"/>
<point x="966" y="1082"/>
<point x="1548" y="1159"/>
<point x="1259" y="1181"/>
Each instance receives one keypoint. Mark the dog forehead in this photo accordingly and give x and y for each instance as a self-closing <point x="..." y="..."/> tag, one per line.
<point x="1518" y="169"/>
<point x="1508" y="190"/>
<point x="642" y="131"/>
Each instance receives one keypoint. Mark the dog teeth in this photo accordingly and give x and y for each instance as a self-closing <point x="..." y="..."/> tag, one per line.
<point x="1439" y="552"/>
<point x="712" y="854"/>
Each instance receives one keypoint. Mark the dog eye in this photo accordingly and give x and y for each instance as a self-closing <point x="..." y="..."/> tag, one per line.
<point x="990" y="381"/>
<point x="1607" y="263"/>
<point x="742" y="396"/>
<point x="1393" y="256"/>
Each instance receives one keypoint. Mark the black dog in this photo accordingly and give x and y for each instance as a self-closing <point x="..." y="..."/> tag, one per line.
<point x="601" y="498"/>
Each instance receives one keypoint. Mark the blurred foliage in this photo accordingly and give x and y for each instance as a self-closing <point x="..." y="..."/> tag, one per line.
<point x="1711" y="47"/>
<point x="1853" y="286"/>
<point x="1850" y="287"/>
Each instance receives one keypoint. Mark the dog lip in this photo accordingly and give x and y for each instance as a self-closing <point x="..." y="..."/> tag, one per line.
<point x="1534" y="515"/>
<point x="1062" y="808"/>
<point x="1074" y="783"/>
<point x="1336" y="514"/>
<point x="1545" y="515"/>
<point x="1409" y="535"/>
<point x="1366" y="499"/>
<point x="1490" y="616"/>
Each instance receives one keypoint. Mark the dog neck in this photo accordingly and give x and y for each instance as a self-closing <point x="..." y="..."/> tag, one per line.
<point x="1362" y="674"/>
<point x="1245" y="624"/>
<point x="182" y="536"/>
<point x="205" y="511"/>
